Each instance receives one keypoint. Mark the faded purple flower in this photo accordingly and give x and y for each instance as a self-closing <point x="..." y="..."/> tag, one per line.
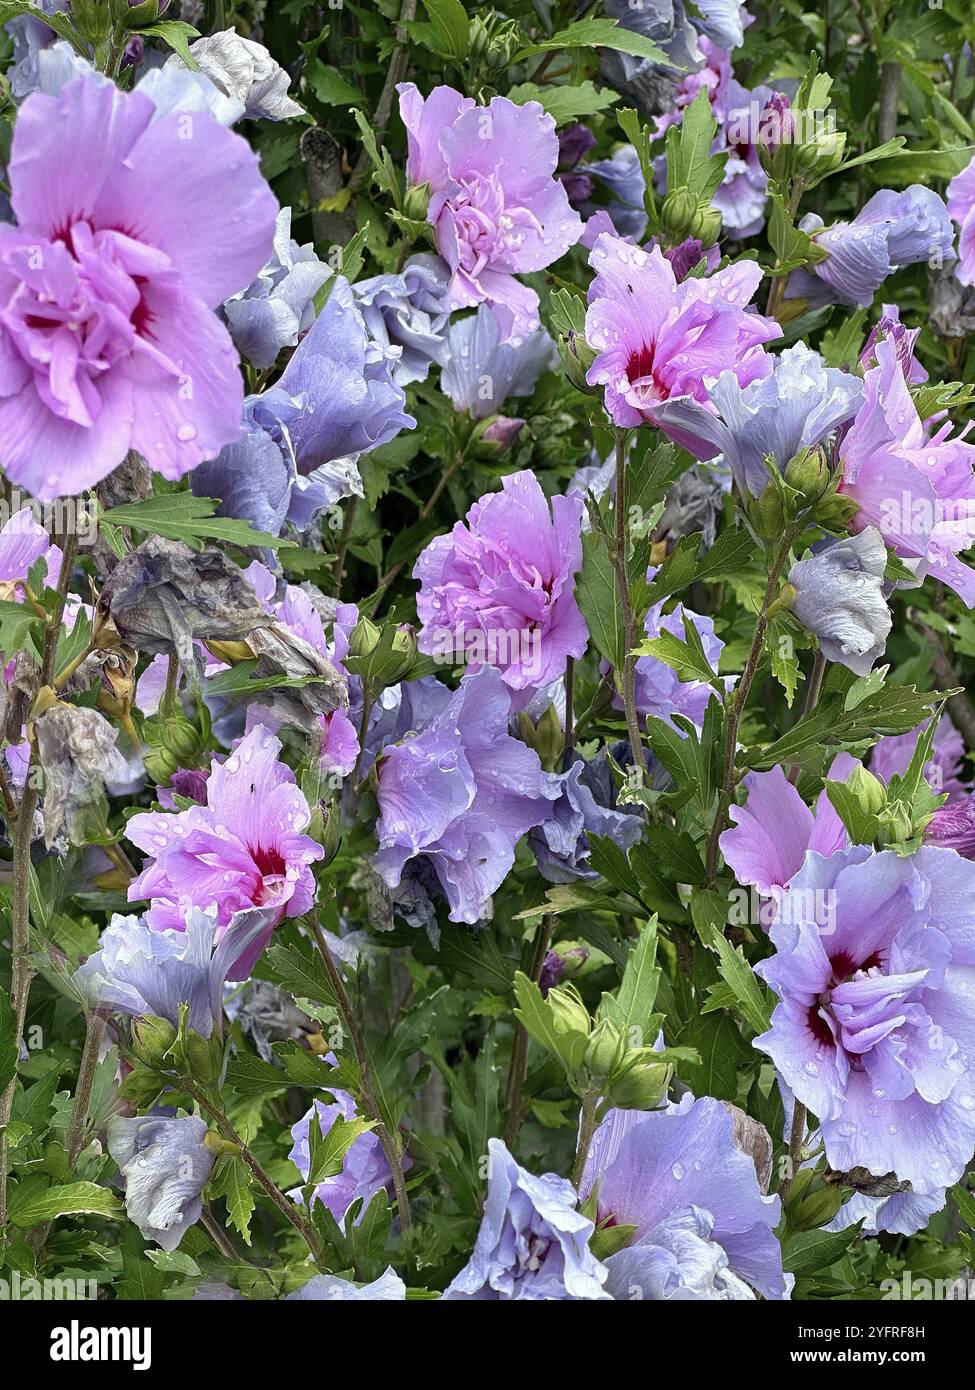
<point x="840" y="597"/>
<point x="481" y="371"/>
<point x="278" y="306"/>
<point x="586" y="805"/>
<point x="166" y="1165"/>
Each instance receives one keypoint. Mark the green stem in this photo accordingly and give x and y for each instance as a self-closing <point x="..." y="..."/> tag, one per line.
<point x="21" y="969"/>
<point x="737" y="709"/>
<point x="514" y="1092"/>
<point x="386" y="1139"/>
<point x="629" y="622"/>
<point x="587" y="1128"/>
<point x="288" y="1209"/>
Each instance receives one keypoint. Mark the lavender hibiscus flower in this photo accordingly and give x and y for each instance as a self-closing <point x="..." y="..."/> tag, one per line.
<point x="109" y="341"/>
<point x="139" y="971"/>
<point x="533" y="1243"/>
<point x="874" y="1030"/>
<point x="796" y="406"/>
<point x="295" y="454"/>
<point x="364" y="1168"/>
<point x="500" y="588"/>
<point x="890" y="231"/>
<point x="459" y="795"/>
<point x="658" y="340"/>
<point x="243" y="849"/>
<point x="915" y="486"/>
<point x="496" y="207"/>
<point x="704" y="1227"/>
<point x="961" y="209"/>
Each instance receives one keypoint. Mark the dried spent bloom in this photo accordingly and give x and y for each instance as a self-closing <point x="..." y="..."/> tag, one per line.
<point x="840" y="597"/>
<point x="166" y="1165"/>
<point x="76" y="749"/>
<point x="163" y="596"/>
<point x="245" y="70"/>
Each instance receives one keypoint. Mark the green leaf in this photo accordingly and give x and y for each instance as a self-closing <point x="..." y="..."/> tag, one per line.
<point x="841" y="346"/>
<point x="792" y="247"/>
<point x="597" y="33"/>
<point x="180" y="516"/>
<point x="597" y="595"/>
<point x="8" y="1041"/>
<point x="810" y="1251"/>
<point x="252" y="1076"/>
<point x="328" y="86"/>
<point x="451" y="27"/>
<point x="690" y="163"/>
<point x="326" y="1151"/>
<point x="72" y="1199"/>
<point x="753" y="1000"/>
<point x="302" y="973"/>
<point x="233" y="1183"/>
<point x="632" y="1003"/>
<point x="176" y="33"/>
<point x="690" y="562"/>
<point x="565" y="103"/>
<point x="687" y="659"/>
<point x="16" y="621"/>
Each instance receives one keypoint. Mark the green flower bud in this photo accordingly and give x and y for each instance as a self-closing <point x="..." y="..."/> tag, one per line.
<point x="811" y="1201"/>
<point x="868" y="789"/>
<point x="152" y="1039"/>
<point x="416" y="202"/>
<point x="570" y="1014"/>
<point x="808" y="474"/>
<point x="381" y="655"/>
<point x="823" y="153"/>
<point x="605" y="1050"/>
<point x="546" y="737"/>
<point x="641" y="1087"/>
<point x="678" y="212"/>
<point x="203" y="1057"/>
<point x="706" y="226"/>
<point x="92" y="19"/>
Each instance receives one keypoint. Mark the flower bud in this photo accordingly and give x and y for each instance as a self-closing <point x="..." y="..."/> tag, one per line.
<point x="546" y="737"/>
<point x="811" y="1202"/>
<point x="705" y="226"/>
<point x="417" y="201"/>
<point x="381" y="655"/>
<point x="203" y="1057"/>
<point x="869" y="791"/>
<point x="152" y="1039"/>
<point x="570" y="1014"/>
<point x="640" y="1087"/>
<point x="678" y="212"/>
<point x="605" y="1050"/>
<point x="808" y="474"/>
